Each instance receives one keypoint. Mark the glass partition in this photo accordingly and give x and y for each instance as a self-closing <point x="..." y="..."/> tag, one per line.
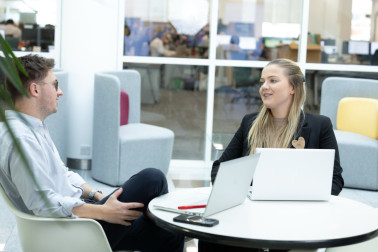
<point x="343" y="32"/>
<point x="169" y="28"/>
<point x="29" y="26"/>
<point x="257" y="30"/>
<point x="174" y="97"/>
<point x="233" y="101"/>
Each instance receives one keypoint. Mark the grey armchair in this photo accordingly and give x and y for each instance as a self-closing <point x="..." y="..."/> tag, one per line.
<point x="358" y="153"/>
<point x="121" y="151"/>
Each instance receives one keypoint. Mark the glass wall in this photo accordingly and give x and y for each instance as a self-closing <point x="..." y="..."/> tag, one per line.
<point x="172" y="28"/>
<point x="201" y="60"/>
<point x="29" y="26"/>
<point x="343" y="32"/>
<point x="174" y="97"/>
<point x="257" y="30"/>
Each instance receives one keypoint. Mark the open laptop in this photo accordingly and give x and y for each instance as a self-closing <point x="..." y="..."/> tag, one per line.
<point x="293" y="174"/>
<point x="230" y="188"/>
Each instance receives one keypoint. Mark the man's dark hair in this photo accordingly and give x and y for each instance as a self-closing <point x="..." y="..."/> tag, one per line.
<point x="9" y="21"/>
<point x="37" y="68"/>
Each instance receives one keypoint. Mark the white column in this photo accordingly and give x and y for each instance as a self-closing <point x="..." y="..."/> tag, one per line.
<point x="90" y="41"/>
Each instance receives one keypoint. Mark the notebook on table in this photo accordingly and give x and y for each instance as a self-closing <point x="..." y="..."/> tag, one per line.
<point x="230" y="188"/>
<point x="293" y="174"/>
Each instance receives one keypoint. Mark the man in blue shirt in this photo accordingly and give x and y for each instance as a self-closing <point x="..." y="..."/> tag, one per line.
<point x="49" y="189"/>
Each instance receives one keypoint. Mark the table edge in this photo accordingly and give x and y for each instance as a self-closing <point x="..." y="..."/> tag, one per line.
<point x="260" y="243"/>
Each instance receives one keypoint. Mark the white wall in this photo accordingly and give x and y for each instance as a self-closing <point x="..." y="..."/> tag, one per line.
<point x="90" y="42"/>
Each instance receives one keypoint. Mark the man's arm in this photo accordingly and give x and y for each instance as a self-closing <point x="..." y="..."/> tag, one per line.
<point x="113" y="211"/>
<point x="87" y="189"/>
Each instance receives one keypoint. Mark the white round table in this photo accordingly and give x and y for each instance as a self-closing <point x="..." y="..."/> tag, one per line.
<point x="277" y="224"/>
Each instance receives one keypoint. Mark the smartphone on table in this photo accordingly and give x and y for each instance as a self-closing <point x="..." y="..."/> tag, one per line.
<point x="196" y="220"/>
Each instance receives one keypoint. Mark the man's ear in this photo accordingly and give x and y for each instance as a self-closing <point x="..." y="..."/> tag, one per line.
<point x="34" y="89"/>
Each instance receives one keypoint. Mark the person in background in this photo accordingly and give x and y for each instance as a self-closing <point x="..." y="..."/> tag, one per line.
<point x="280" y="121"/>
<point x="58" y="192"/>
<point x="159" y="46"/>
<point x="11" y="29"/>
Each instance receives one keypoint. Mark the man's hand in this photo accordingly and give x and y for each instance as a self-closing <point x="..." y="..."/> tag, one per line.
<point x="119" y="212"/>
<point x="113" y="211"/>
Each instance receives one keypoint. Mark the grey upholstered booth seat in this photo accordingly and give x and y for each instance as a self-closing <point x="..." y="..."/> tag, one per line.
<point x="358" y="153"/>
<point x="57" y="123"/>
<point x="121" y="151"/>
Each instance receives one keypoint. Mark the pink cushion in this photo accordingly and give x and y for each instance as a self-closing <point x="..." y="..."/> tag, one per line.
<point x="124" y="108"/>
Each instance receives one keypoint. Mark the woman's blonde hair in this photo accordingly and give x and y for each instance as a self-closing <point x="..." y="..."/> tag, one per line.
<point x="262" y="133"/>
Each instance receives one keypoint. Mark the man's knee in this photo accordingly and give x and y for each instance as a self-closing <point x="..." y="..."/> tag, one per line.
<point x="154" y="178"/>
<point x="153" y="174"/>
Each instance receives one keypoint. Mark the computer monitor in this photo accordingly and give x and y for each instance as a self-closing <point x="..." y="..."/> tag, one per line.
<point x="247" y="43"/>
<point x="329" y="42"/>
<point x="28" y="18"/>
<point x="29" y="34"/>
<point x="241" y="29"/>
<point x="223" y="39"/>
<point x="359" y="47"/>
<point x="330" y="49"/>
<point x="373" y="47"/>
<point x="345" y="46"/>
<point x="271" y="42"/>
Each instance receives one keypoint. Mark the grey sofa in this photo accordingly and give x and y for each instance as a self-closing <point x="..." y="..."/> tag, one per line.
<point x="358" y="153"/>
<point x="121" y="151"/>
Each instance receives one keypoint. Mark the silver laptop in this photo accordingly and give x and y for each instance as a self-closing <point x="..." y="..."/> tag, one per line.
<point x="230" y="188"/>
<point x="293" y="174"/>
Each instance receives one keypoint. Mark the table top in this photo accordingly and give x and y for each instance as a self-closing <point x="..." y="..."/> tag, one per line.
<point x="277" y="224"/>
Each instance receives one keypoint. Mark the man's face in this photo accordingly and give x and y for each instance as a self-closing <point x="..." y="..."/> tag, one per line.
<point x="50" y="93"/>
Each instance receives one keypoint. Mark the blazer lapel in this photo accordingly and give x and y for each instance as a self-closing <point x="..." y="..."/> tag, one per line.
<point x="303" y="130"/>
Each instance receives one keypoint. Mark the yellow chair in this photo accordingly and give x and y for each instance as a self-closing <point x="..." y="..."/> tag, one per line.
<point x="358" y="152"/>
<point x="358" y="115"/>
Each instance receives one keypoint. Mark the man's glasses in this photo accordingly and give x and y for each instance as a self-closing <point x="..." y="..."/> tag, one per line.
<point x="55" y="84"/>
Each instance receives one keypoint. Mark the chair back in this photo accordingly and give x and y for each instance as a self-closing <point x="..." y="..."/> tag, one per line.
<point x="336" y="88"/>
<point x="106" y="118"/>
<point x="57" y="234"/>
<point x="130" y="82"/>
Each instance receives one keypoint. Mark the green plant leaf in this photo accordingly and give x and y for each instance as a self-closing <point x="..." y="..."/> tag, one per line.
<point x="9" y="65"/>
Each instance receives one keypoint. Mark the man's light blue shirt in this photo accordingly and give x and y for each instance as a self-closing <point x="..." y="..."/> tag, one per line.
<point x="55" y="190"/>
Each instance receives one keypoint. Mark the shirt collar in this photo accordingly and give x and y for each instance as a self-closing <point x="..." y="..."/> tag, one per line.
<point x="30" y="120"/>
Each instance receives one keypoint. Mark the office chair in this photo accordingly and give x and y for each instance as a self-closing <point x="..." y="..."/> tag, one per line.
<point x="244" y="82"/>
<point x="13" y="42"/>
<point x="374" y="58"/>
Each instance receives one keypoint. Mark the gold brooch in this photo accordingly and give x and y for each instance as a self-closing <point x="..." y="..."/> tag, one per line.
<point x="298" y="144"/>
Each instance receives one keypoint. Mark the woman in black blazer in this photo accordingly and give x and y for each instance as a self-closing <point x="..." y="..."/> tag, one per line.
<point x="281" y="123"/>
<point x="316" y="130"/>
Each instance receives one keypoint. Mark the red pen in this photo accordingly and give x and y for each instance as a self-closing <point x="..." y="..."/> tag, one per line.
<point x="191" y="207"/>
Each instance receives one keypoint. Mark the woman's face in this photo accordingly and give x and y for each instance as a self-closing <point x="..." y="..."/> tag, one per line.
<point x="276" y="91"/>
